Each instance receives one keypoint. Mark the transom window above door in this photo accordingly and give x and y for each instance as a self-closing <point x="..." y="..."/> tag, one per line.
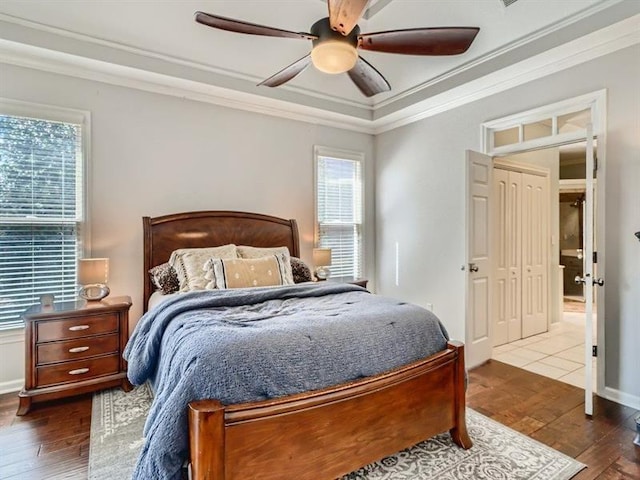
<point x="561" y="123"/>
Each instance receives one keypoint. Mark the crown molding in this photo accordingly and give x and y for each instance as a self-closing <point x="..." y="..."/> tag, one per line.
<point x="607" y="40"/>
<point x="527" y="39"/>
<point x="602" y="42"/>
<point x="38" y="58"/>
<point x="83" y="39"/>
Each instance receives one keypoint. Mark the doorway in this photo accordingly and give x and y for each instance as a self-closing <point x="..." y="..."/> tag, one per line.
<point x="558" y="352"/>
<point x="580" y="119"/>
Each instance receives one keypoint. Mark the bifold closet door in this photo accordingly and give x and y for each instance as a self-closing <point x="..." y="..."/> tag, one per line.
<point x="506" y="254"/>
<point x="535" y="221"/>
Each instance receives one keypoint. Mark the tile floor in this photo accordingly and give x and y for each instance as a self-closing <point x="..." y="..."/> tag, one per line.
<point x="558" y="353"/>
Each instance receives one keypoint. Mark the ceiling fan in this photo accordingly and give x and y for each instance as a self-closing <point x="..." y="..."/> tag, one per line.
<point x="337" y="37"/>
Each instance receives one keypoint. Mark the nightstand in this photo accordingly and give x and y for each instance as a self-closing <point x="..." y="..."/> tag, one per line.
<point x="73" y="348"/>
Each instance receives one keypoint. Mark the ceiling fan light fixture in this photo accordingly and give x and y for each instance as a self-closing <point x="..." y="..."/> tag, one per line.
<point x="334" y="56"/>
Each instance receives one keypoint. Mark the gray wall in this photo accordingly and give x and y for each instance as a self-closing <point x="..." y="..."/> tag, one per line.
<point x="420" y="192"/>
<point x="153" y="155"/>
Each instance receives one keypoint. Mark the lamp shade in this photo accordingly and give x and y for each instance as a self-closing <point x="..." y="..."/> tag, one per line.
<point x="93" y="270"/>
<point x="321" y="257"/>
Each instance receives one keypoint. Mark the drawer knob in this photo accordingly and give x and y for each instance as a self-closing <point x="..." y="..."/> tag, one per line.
<point x="78" y="371"/>
<point x="78" y="349"/>
<point x="76" y="328"/>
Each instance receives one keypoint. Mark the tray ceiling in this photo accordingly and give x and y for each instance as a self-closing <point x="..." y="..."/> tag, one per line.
<point x="138" y="33"/>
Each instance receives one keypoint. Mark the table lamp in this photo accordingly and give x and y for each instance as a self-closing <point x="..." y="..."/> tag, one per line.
<point x="322" y="260"/>
<point x="93" y="275"/>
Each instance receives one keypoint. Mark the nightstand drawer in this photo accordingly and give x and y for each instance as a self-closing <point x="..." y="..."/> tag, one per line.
<point x="77" y="371"/>
<point x="76" y="349"/>
<point x="76" y="327"/>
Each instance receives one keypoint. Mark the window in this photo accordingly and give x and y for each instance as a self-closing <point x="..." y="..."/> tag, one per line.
<point x="339" y="209"/>
<point x="41" y="206"/>
<point x="557" y="124"/>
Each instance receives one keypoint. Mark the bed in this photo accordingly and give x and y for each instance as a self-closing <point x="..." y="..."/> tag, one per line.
<point x="315" y="435"/>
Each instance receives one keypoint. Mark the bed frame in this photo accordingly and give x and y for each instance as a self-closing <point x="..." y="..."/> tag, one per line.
<point x="316" y="435"/>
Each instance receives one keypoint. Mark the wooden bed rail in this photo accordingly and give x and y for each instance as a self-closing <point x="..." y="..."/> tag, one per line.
<point x="328" y="433"/>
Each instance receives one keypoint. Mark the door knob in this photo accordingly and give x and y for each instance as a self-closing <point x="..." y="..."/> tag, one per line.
<point x="598" y="281"/>
<point x="579" y="280"/>
<point x="473" y="267"/>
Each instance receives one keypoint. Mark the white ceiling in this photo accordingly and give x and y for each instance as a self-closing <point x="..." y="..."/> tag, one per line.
<point x="138" y="33"/>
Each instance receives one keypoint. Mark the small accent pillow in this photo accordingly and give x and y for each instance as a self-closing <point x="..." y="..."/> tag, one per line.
<point x="248" y="272"/>
<point x="300" y="270"/>
<point x="189" y="262"/>
<point x="165" y="278"/>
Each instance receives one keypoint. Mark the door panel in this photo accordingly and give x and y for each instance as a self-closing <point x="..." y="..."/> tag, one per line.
<point x="588" y="269"/>
<point x="535" y="219"/>
<point x="478" y="268"/>
<point x="514" y="239"/>
<point x="500" y="254"/>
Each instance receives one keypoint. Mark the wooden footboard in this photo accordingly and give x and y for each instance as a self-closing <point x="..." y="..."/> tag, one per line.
<point x="328" y="433"/>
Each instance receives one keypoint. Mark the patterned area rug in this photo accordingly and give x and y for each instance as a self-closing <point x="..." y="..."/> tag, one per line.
<point x="498" y="452"/>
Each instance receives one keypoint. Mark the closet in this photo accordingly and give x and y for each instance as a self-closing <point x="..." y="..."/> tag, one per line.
<point x="520" y="255"/>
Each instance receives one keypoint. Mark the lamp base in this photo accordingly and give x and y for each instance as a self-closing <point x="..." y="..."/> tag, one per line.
<point x="94" y="292"/>
<point x="322" y="273"/>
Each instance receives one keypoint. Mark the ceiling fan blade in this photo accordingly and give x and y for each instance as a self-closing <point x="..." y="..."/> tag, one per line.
<point x="345" y="14"/>
<point x="232" y="25"/>
<point x="287" y="73"/>
<point x="420" y="41"/>
<point x="369" y="80"/>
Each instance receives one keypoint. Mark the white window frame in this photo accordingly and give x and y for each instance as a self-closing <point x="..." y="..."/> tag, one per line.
<point x="322" y="151"/>
<point x="52" y="113"/>
<point x="595" y="101"/>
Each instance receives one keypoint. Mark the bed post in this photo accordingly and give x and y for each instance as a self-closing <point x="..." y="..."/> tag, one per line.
<point x="459" y="432"/>
<point x="206" y="432"/>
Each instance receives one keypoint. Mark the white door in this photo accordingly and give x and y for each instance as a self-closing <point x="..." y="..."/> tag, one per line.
<point x="588" y="278"/>
<point x="478" y="267"/>
<point x="535" y="263"/>
<point x="506" y="222"/>
<point x="514" y="239"/>
<point x="500" y="256"/>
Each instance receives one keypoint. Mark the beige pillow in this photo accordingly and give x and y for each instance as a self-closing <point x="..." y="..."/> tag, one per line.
<point x="248" y="272"/>
<point x="189" y="262"/>
<point x="245" y="251"/>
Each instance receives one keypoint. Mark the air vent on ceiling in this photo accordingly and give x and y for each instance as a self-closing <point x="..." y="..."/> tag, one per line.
<point x="508" y="2"/>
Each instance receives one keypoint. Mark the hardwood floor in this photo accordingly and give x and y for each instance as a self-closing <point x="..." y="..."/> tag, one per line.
<point x="52" y="441"/>
<point x="552" y="412"/>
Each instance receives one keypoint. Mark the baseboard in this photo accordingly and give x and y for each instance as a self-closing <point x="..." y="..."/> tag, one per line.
<point x="617" y="396"/>
<point x="11" y="386"/>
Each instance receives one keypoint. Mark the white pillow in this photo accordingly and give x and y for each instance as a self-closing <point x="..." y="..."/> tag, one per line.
<point x="189" y="262"/>
<point x="248" y="272"/>
<point x="245" y="251"/>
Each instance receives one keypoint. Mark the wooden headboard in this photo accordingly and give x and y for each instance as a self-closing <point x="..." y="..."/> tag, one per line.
<point x="163" y="235"/>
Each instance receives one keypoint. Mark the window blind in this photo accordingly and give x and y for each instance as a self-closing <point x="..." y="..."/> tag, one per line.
<point x="41" y="210"/>
<point x="339" y="213"/>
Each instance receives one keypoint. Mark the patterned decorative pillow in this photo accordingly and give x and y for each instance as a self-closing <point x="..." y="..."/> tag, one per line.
<point x="300" y="270"/>
<point x="245" y="251"/>
<point x="165" y="278"/>
<point x="248" y="272"/>
<point x="189" y="263"/>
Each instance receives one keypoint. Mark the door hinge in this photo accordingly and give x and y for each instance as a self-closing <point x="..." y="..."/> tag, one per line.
<point x="595" y="164"/>
<point x="594" y="351"/>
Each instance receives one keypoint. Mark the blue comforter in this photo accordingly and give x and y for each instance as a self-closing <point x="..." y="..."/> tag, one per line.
<point x="253" y="344"/>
